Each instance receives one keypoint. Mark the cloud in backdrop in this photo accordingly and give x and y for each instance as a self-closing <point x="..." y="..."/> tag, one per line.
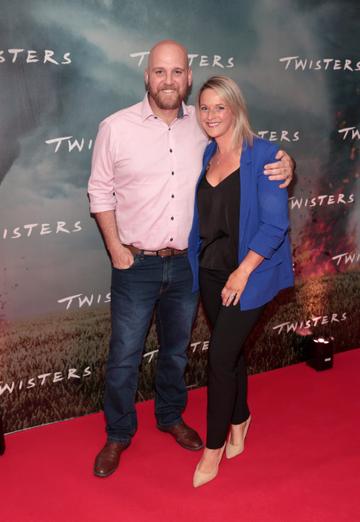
<point x="43" y="101"/>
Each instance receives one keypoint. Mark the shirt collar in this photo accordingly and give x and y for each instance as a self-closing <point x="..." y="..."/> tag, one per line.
<point x="146" y="110"/>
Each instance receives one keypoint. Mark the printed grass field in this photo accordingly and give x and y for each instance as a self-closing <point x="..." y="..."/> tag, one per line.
<point x="76" y="344"/>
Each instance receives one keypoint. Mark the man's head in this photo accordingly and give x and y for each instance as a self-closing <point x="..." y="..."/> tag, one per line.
<point x="168" y="76"/>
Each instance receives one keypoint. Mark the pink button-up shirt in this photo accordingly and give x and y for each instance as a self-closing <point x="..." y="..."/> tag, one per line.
<point x="146" y="171"/>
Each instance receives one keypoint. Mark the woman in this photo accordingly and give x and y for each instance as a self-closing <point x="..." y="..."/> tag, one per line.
<point x="240" y="257"/>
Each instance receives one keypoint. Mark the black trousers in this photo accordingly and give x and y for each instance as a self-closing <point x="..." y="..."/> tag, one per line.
<point x="227" y="376"/>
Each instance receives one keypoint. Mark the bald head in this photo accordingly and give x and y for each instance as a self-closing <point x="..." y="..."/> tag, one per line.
<point x="167" y="76"/>
<point x="169" y="48"/>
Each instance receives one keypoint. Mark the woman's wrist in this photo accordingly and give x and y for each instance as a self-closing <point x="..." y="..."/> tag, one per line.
<point x="244" y="270"/>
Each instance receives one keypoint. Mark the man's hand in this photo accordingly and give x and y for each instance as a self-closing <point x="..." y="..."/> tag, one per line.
<point x="282" y="170"/>
<point x="121" y="257"/>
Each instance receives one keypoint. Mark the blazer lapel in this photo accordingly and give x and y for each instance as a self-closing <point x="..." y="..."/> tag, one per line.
<point x="209" y="152"/>
<point x="246" y="161"/>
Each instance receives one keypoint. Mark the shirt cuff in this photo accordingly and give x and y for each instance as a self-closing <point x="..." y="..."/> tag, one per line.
<point x="101" y="207"/>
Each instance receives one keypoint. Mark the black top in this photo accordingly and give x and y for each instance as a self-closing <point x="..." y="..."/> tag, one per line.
<point x="219" y="215"/>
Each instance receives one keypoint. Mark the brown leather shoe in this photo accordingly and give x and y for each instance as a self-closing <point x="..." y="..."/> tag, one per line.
<point x="108" y="459"/>
<point x="184" y="435"/>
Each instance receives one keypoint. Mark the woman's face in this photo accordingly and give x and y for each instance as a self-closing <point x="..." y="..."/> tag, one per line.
<point x="216" y="117"/>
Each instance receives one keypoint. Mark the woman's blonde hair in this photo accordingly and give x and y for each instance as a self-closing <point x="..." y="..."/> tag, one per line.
<point x="231" y="93"/>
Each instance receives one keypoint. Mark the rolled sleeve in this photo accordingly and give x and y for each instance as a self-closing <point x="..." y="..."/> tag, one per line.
<point x="101" y="187"/>
<point x="273" y="213"/>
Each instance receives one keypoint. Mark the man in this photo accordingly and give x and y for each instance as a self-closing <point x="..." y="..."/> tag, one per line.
<point x="146" y="161"/>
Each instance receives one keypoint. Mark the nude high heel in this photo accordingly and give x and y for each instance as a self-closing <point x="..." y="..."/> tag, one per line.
<point x="201" y="477"/>
<point x="232" y="450"/>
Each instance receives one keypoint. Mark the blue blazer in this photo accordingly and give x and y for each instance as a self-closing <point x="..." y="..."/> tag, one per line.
<point x="263" y="225"/>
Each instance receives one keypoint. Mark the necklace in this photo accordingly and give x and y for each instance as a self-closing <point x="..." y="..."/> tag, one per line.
<point x="219" y="158"/>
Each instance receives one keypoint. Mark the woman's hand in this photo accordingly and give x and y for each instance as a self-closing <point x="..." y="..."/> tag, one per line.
<point x="234" y="287"/>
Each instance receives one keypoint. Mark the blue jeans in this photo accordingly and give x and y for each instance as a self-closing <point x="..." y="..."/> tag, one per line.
<point x="151" y="282"/>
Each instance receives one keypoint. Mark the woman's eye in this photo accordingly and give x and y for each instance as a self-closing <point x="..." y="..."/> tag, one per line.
<point x="203" y="109"/>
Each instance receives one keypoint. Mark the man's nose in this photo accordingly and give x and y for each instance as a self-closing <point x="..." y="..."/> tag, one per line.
<point x="168" y="78"/>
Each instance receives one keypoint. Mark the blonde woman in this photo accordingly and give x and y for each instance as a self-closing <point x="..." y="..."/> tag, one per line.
<point x="240" y="257"/>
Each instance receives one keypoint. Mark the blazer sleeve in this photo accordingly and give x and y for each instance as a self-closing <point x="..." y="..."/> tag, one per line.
<point x="272" y="210"/>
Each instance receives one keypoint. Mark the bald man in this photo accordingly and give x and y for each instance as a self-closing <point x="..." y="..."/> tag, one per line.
<point x="146" y="161"/>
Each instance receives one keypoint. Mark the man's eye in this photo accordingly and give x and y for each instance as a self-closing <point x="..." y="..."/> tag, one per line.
<point x="158" y="73"/>
<point x="178" y="72"/>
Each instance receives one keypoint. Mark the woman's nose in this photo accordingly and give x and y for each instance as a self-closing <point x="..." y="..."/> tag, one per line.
<point x="211" y="113"/>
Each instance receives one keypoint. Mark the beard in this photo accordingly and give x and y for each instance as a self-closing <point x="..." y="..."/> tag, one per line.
<point x="166" y="101"/>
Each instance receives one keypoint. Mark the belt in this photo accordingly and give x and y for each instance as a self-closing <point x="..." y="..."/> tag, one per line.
<point x="164" y="252"/>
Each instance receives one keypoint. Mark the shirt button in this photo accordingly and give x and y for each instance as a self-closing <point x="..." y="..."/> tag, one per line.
<point x="170" y="150"/>
<point x="172" y="172"/>
<point x="172" y="195"/>
<point x="169" y="128"/>
<point x="155" y="117"/>
<point x="172" y="218"/>
<point x="171" y="239"/>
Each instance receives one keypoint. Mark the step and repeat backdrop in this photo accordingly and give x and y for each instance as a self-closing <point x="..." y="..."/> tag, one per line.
<point x="66" y="65"/>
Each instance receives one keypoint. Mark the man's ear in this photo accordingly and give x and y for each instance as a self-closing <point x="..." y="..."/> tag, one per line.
<point x="146" y="78"/>
<point x="189" y="77"/>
